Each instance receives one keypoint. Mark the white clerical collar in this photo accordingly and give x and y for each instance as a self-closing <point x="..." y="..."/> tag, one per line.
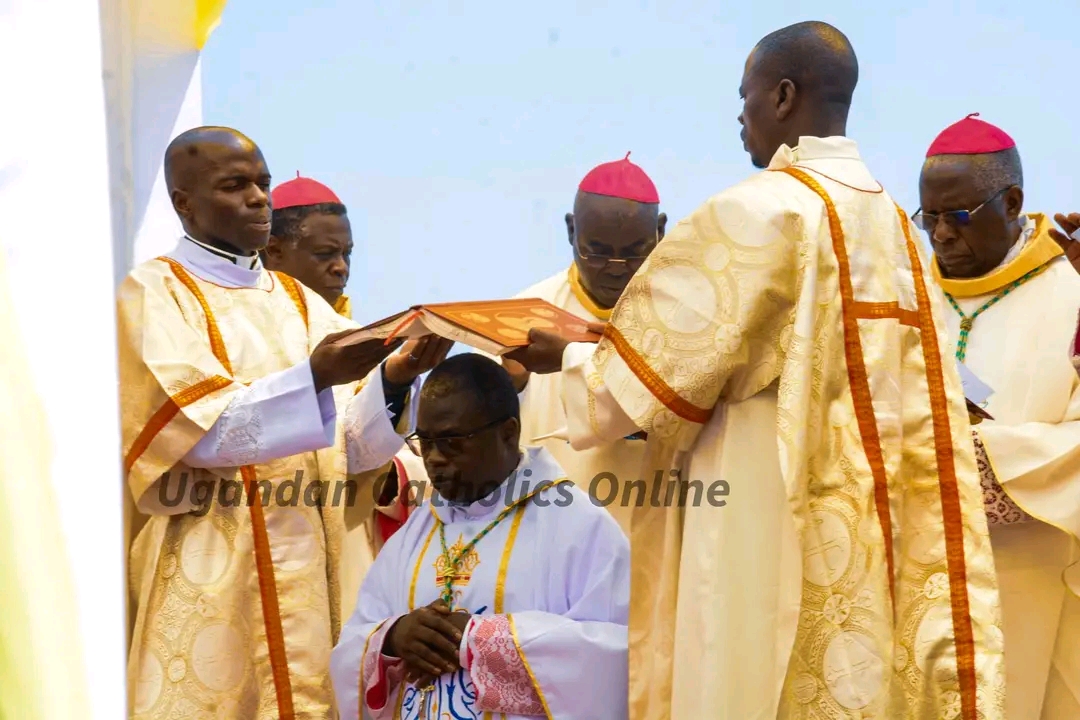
<point x="815" y="148"/>
<point x="251" y="262"/>
<point x="537" y="466"/>
<point x="219" y="267"/>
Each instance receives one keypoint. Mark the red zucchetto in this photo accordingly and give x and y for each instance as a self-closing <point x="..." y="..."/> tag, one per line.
<point x="620" y="179"/>
<point x="301" y="192"/>
<point x="970" y="136"/>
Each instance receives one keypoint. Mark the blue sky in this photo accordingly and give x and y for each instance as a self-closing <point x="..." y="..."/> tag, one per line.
<point x="456" y="132"/>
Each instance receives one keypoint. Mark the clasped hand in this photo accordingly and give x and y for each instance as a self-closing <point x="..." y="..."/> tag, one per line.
<point x="427" y="641"/>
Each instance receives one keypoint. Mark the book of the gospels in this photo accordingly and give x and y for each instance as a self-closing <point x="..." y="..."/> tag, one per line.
<point x="492" y="326"/>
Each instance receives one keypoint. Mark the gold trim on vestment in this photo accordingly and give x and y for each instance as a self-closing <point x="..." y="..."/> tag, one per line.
<point x="160" y="419"/>
<point x="419" y="563"/>
<point x="653" y="382"/>
<point x="582" y="295"/>
<point x="951" y="512"/>
<point x="528" y="669"/>
<point x="858" y="379"/>
<point x="264" y="564"/>
<point x="504" y="563"/>
<point x="295" y="293"/>
<point x="1040" y="250"/>
<point x="343" y="307"/>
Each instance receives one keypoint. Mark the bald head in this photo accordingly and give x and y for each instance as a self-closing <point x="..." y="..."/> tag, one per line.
<point x="798" y="81"/>
<point x="220" y="187"/>
<point x="815" y="56"/>
<point x="187" y="152"/>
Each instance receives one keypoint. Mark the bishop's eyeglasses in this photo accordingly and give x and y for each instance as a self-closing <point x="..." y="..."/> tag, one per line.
<point x="596" y="261"/>
<point x="957" y="218"/>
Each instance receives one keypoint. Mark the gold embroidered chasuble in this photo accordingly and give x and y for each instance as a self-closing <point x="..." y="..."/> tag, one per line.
<point x="606" y="471"/>
<point x="237" y="607"/>
<point x="1020" y="346"/>
<point x="783" y="340"/>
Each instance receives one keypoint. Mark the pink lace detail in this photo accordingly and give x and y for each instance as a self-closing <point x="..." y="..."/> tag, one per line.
<point x="1000" y="509"/>
<point x="379" y="674"/>
<point x="497" y="671"/>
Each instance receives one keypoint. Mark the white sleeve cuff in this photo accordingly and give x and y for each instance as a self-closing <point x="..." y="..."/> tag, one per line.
<point x="370" y="437"/>
<point x="276" y="416"/>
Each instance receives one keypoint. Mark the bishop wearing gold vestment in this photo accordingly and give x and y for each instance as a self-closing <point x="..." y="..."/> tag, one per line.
<point x="242" y="425"/>
<point x="784" y="345"/>
<point x="616" y="223"/>
<point x="1013" y="302"/>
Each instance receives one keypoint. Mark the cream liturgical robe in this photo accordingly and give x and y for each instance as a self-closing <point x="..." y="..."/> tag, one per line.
<point x="547" y="583"/>
<point x="244" y="473"/>
<point x="365" y="530"/>
<point x="786" y="342"/>
<point x="1020" y="346"/>
<point x="605" y="471"/>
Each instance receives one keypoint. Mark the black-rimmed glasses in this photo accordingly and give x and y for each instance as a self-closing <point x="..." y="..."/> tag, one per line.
<point x="449" y="444"/>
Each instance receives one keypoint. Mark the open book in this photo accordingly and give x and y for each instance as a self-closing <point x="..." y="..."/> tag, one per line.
<point x="492" y="326"/>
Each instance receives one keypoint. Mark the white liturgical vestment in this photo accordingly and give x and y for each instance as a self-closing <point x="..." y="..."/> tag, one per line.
<point x="548" y="588"/>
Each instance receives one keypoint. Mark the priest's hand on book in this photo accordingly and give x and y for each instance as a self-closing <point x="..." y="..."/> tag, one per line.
<point x="339" y="365"/>
<point x="1068" y="237"/>
<point x="418" y="356"/>
<point x="427" y="640"/>
<point x="544" y="353"/>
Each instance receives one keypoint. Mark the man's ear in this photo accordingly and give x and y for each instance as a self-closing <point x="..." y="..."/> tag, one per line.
<point x="785" y="99"/>
<point x="570" y="227"/>
<point x="511" y="432"/>
<point x="274" y="250"/>
<point x="181" y="204"/>
<point x="1014" y="202"/>
<point x="661" y="225"/>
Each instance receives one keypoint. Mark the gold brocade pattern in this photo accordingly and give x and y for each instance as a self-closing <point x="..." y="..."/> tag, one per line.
<point x="755" y="290"/>
<point x="200" y="645"/>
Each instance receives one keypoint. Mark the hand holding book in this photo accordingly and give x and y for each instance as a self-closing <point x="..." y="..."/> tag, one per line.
<point x="495" y="327"/>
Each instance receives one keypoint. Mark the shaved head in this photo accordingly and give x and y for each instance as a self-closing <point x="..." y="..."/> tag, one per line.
<point x="815" y="56"/>
<point x="220" y="187"/>
<point x="798" y="81"/>
<point x="186" y="152"/>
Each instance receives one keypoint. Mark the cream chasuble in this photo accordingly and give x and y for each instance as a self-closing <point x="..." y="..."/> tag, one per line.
<point x="1020" y="345"/>
<point x="41" y="653"/>
<point x="244" y="473"/>
<point x="783" y="340"/>
<point x="548" y="586"/>
<point x="606" y="471"/>
<point x="363" y="539"/>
